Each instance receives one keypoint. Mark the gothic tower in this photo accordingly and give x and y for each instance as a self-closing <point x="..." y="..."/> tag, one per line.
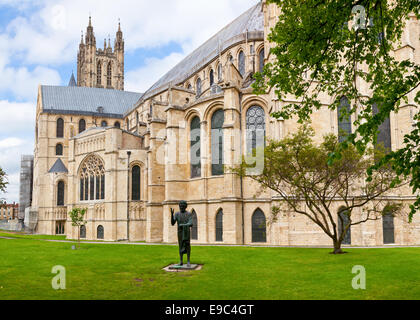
<point x="100" y="68"/>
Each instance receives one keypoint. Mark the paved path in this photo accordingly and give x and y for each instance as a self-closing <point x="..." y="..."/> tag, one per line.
<point x="213" y="245"/>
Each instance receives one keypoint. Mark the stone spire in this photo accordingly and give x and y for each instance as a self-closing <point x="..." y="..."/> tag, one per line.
<point x="72" y="82"/>
<point x="90" y="36"/>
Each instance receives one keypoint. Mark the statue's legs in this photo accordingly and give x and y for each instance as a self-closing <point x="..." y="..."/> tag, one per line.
<point x="189" y="254"/>
<point x="181" y="262"/>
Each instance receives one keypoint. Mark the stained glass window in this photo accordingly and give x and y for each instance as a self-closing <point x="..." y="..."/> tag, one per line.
<point x="255" y="128"/>
<point x="59" y="149"/>
<point x="241" y="63"/>
<point x="99" y="74"/>
<point x="219" y="226"/>
<point x="198" y="85"/>
<point x="100" y="232"/>
<point x="82" y="125"/>
<point x="344" y="120"/>
<point x="195" y="151"/>
<point x="259" y="233"/>
<point x="109" y="75"/>
<point x="135" y="183"/>
<point x="60" y="193"/>
<point x="92" y="179"/>
<point x="211" y="77"/>
<point x="261" y="61"/>
<point x="60" y="128"/>
<point x="384" y="134"/>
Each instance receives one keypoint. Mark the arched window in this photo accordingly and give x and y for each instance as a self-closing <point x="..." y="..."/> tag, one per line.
<point x="117" y="125"/>
<point x="82" y="232"/>
<point x="99" y="74"/>
<point x="92" y="179"/>
<point x="82" y="125"/>
<point x="100" y="232"/>
<point x="388" y="228"/>
<point x="104" y="124"/>
<point x="127" y="124"/>
<point x="343" y="221"/>
<point x="219" y="225"/>
<point x="384" y="131"/>
<point x="59" y="149"/>
<point x="59" y="227"/>
<point x="241" y="63"/>
<point x="217" y="122"/>
<point x="60" y="128"/>
<point x="344" y="120"/>
<point x="259" y="233"/>
<point x="261" y="60"/>
<point x="219" y="72"/>
<point x="195" y="150"/>
<point x="194" y="229"/>
<point x="198" y="86"/>
<point x="109" y="75"/>
<point x="255" y="128"/>
<point x="60" y="193"/>
<point x="211" y="77"/>
<point x="135" y="183"/>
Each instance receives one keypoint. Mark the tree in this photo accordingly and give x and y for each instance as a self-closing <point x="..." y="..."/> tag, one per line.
<point x="77" y="218"/>
<point x="3" y="180"/>
<point x="328" y="47"/>
<point x="298" y="171"/>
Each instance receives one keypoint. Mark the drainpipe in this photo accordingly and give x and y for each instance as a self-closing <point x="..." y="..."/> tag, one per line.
<point x="242" y="180"/>
<point x="128" y="195"/>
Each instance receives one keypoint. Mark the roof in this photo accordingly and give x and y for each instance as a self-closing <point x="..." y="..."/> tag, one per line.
<point x="58" y="167"/>
<point x="72" y="82"/>
<point x="84" y="100"/>
<point x="249" y="25"/>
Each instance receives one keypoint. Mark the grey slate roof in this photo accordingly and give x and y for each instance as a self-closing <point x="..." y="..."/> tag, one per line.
<point x="72" y="82"/>
<point x="85" y="101"/>
<point x="251" y="21"/>
<point x="58" y="167"/>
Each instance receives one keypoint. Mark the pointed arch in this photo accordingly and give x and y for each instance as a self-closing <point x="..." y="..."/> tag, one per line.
<point x="82" y="125"/>
<point x="259" y="226"/>
<point x="211" y="77"/>
<point x="100" y="233"/>
<point x="60" y="128"/>
<point x="99" y="74"/>
<point x="241" y="63"/>
<point x="195" y="147"/>
<point x="255" y="128"/>
<point x="344" y="119"/>
<point x="198" y="86"/>
<point x="384" y="131"/>
<point x="92" y="179"/>
<point x="136" y="183"/>
<point x="109" y="74"/>
<point x="59" y="149"/>
<point x="217" y="136"/>
<point x="60" y="193"/>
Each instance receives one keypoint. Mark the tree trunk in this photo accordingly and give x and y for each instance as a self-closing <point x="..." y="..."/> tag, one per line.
<point x="78" y="237"/>
<point x="337" y="248"/>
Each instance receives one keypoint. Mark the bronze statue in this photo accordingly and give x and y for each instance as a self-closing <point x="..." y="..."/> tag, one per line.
<point x="184" y="219"/>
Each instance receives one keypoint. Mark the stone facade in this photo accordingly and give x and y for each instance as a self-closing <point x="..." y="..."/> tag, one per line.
<point x="145" y="166"/>
<point x="25" y="190"/>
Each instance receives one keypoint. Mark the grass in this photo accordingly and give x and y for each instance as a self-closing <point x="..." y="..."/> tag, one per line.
<point x="116" y="271"/>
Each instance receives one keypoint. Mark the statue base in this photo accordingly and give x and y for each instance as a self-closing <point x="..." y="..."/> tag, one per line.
<point x="184" y="267"/>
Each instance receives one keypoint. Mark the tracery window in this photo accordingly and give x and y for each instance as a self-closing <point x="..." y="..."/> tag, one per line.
<point x="99" y="74"/>
<point x="92" y="179"/>
<point x="241" y="63"/>
<point x="344" y="121"/>
<point x="109" y="75"/>
<point x="255" y="128"/>
<point x="195" y="150"/>
<point x="217" y="122"/>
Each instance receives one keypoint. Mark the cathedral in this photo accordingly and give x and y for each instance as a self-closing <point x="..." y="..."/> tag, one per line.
<point x="129" y="157"/>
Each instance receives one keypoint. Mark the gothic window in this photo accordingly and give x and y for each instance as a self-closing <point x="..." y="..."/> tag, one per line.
<point x="104" y="124"/>
<point x="59" y="227"/>
<point x="100" y="232"/>
<point x="83" y="232"/>
<point x="60" y="128"/>
<point x="117" y="125"/>
<point x="194" y="229"/>
<point x="92" y="179"/>
<point x="109" y="75"/>
<point x="241" y="63"/>
<point x="60" y="193"/>
<point x="388" y="228"/>
<point x="217" y="122"/>
<point x="384" y="134"/>
<point x="82" y="125"/>
<point x="255" y="128"/>
<point x="59" y="149"/>
<point x="344" y="120"/>
<point x="195" y="150"/>
<point x="99" y="74"/>
<point x="198" y="86"/>
<point x="219" y="226"/>
<point x="261" y="60"/>
<point x="219" y="72"/>
<point x="343" y="221"/>
<point x="259" y="233"/>
<point x="211" y="77"/>
<point x="135" y="183"/>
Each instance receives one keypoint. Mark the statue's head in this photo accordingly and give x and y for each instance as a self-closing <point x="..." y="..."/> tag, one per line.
<point x="183" y="205"/>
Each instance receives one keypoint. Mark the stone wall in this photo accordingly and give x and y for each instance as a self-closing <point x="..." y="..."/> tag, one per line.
<point x="26" y="178"/>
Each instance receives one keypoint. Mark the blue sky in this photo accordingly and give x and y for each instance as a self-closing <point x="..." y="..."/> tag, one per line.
<point x="39" y="42"/>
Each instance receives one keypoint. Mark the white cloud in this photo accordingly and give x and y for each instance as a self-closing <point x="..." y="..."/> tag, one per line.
<point x="10" y="143"/>
<point x="18" y="118"/>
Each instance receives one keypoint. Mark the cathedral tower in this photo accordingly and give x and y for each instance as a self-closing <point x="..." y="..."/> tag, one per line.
<point x="100" y="68"/>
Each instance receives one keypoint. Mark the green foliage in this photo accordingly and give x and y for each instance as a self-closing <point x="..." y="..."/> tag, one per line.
<point x="299" y="172"/>
<point x="77" y="217"/>
<point x="316" y="53"/>
<point x="3" y="180"/>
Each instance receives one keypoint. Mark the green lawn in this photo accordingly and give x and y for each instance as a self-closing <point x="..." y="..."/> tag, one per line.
<point x="112" y="271"/>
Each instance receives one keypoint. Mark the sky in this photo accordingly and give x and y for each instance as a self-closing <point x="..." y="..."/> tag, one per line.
<point x="39" y="41"/>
